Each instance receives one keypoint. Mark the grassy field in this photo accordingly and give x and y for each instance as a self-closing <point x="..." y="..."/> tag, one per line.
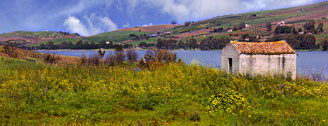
<point x="150" y="40"/>
<point x="33" y="93"/>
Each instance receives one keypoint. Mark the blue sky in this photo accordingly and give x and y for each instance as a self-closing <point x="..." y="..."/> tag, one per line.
<point x="90" y="17"/>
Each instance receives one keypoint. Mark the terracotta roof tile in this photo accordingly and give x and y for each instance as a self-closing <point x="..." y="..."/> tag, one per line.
<point x="279" y="47"/>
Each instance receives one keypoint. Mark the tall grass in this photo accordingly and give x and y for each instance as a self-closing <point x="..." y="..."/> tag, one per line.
<point x="168" y="94"/>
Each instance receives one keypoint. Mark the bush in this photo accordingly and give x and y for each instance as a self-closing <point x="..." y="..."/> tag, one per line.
<point x="229" y="101"/>
<point x="157" y="57"/>
<point x="10" y="49"/>
<point x="101" y="53"/>
<point x="94" y="60"/>
<point x="120" y="57"/>
<point x="117" y="58"/>
<point x="50" y="58"/>
<point x="132" y="56"/>
<point x="110" y="59"/>
<point x="83" y="60"/>
<point x="164" y="56"/>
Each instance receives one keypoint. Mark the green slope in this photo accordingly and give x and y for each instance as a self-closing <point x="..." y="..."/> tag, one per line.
<point x="114" y="36"/>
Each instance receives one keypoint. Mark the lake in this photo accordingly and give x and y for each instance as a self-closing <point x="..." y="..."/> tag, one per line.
<point x="307" y="61"/>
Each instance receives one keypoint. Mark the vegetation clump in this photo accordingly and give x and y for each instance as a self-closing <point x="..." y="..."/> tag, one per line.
<point x="50" y="58"/>
<point x="10" y="47"/>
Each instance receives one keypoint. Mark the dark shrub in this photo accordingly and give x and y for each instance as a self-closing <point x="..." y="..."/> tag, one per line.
<point x="164" y="56"/>
<point x="132" y="56"/>
<point x="83" y="60"/>
<point x="101" y="53"/>
<point x="50" y="58"/>
<point x="157" y="57"/>
<point x="120" y="57"/>
<point x="10" y="48"/>
<point x="94" y="60"/>
<point x="150" y="55"/>
<point x="195" y="117"/>
<point x="110" y="59"/>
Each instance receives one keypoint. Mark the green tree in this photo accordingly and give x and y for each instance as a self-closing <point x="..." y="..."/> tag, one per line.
<point x="269" y="26"/>
<point x="320" y="27"/>
<point x="324" y="45"/>
<point x="309" y="26"/>
<point x="187" y="23"/>
<point x="309" y="41"/>
<point x="300" y="30"/>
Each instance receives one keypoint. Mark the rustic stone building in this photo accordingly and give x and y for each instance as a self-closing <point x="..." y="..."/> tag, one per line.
<point x="259" y="58"/>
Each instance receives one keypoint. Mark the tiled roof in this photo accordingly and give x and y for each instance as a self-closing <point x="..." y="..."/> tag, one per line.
<point x="279" y="47"/>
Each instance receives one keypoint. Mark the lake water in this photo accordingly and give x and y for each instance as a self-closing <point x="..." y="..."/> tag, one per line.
<point x="307" y="61"/>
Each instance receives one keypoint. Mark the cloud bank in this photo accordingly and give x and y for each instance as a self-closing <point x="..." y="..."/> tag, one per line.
<point x="95" y="25"/>
<point x="184" y="10"/>
<point x="75" y="25"/>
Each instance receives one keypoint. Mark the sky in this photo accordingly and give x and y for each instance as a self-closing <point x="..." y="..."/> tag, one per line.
<point x="91" y="17"/>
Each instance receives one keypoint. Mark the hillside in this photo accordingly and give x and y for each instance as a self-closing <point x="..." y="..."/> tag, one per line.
<point x="114" y="36"/>
<point x="31" y="38"/>
<point x="34" y="56"/>
<point x="201" y="30"/>
<point x="153" y="29"/>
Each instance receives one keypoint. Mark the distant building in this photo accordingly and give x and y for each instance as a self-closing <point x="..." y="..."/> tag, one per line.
<point x="281" y="23"/>
<point x="153" y="35"/>
<point x="259" y="58"/>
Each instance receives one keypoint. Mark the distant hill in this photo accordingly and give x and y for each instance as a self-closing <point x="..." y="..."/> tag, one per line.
<point x="153" y="29"/>
<point x="31" y="38"/>
<point x="256" y="26"/>
<point x="114" y="36"/>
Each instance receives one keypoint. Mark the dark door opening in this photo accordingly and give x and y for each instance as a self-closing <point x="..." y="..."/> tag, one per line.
<point x="230" y="65"/>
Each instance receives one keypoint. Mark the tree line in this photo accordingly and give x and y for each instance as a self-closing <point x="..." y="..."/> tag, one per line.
<point x="208" y="43"/>
<point x="83" y="45"/>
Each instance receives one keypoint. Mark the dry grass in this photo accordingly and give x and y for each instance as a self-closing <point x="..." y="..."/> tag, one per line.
<point x="34" y="55"/>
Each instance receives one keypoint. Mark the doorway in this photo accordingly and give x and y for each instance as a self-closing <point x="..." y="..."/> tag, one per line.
<point x="230" y="65"/>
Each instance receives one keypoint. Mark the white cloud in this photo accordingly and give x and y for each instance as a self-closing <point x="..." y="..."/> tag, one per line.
<point x="81" y="6"/>
<point x="126" y="25"/>
<point x="76" y="26"/>
<point x="111" y="26"/>
<point x="150" y="24"/>
<point x="184" y="10"/>
<point x="95" y="25"/>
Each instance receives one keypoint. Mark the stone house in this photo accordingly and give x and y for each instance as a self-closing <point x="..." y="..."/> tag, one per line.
<point x="259" y="58"/>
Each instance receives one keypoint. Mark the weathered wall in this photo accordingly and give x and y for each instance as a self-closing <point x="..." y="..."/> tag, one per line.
<point x="268" y="64"/>
<point x="230" y="52"/>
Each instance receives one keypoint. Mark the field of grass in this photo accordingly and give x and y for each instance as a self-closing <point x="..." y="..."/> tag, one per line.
<point x="114" y="36"/>
<point x="150" y="40"/>
<point x="26" y="33"/>
<point x="171" y="94"/>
